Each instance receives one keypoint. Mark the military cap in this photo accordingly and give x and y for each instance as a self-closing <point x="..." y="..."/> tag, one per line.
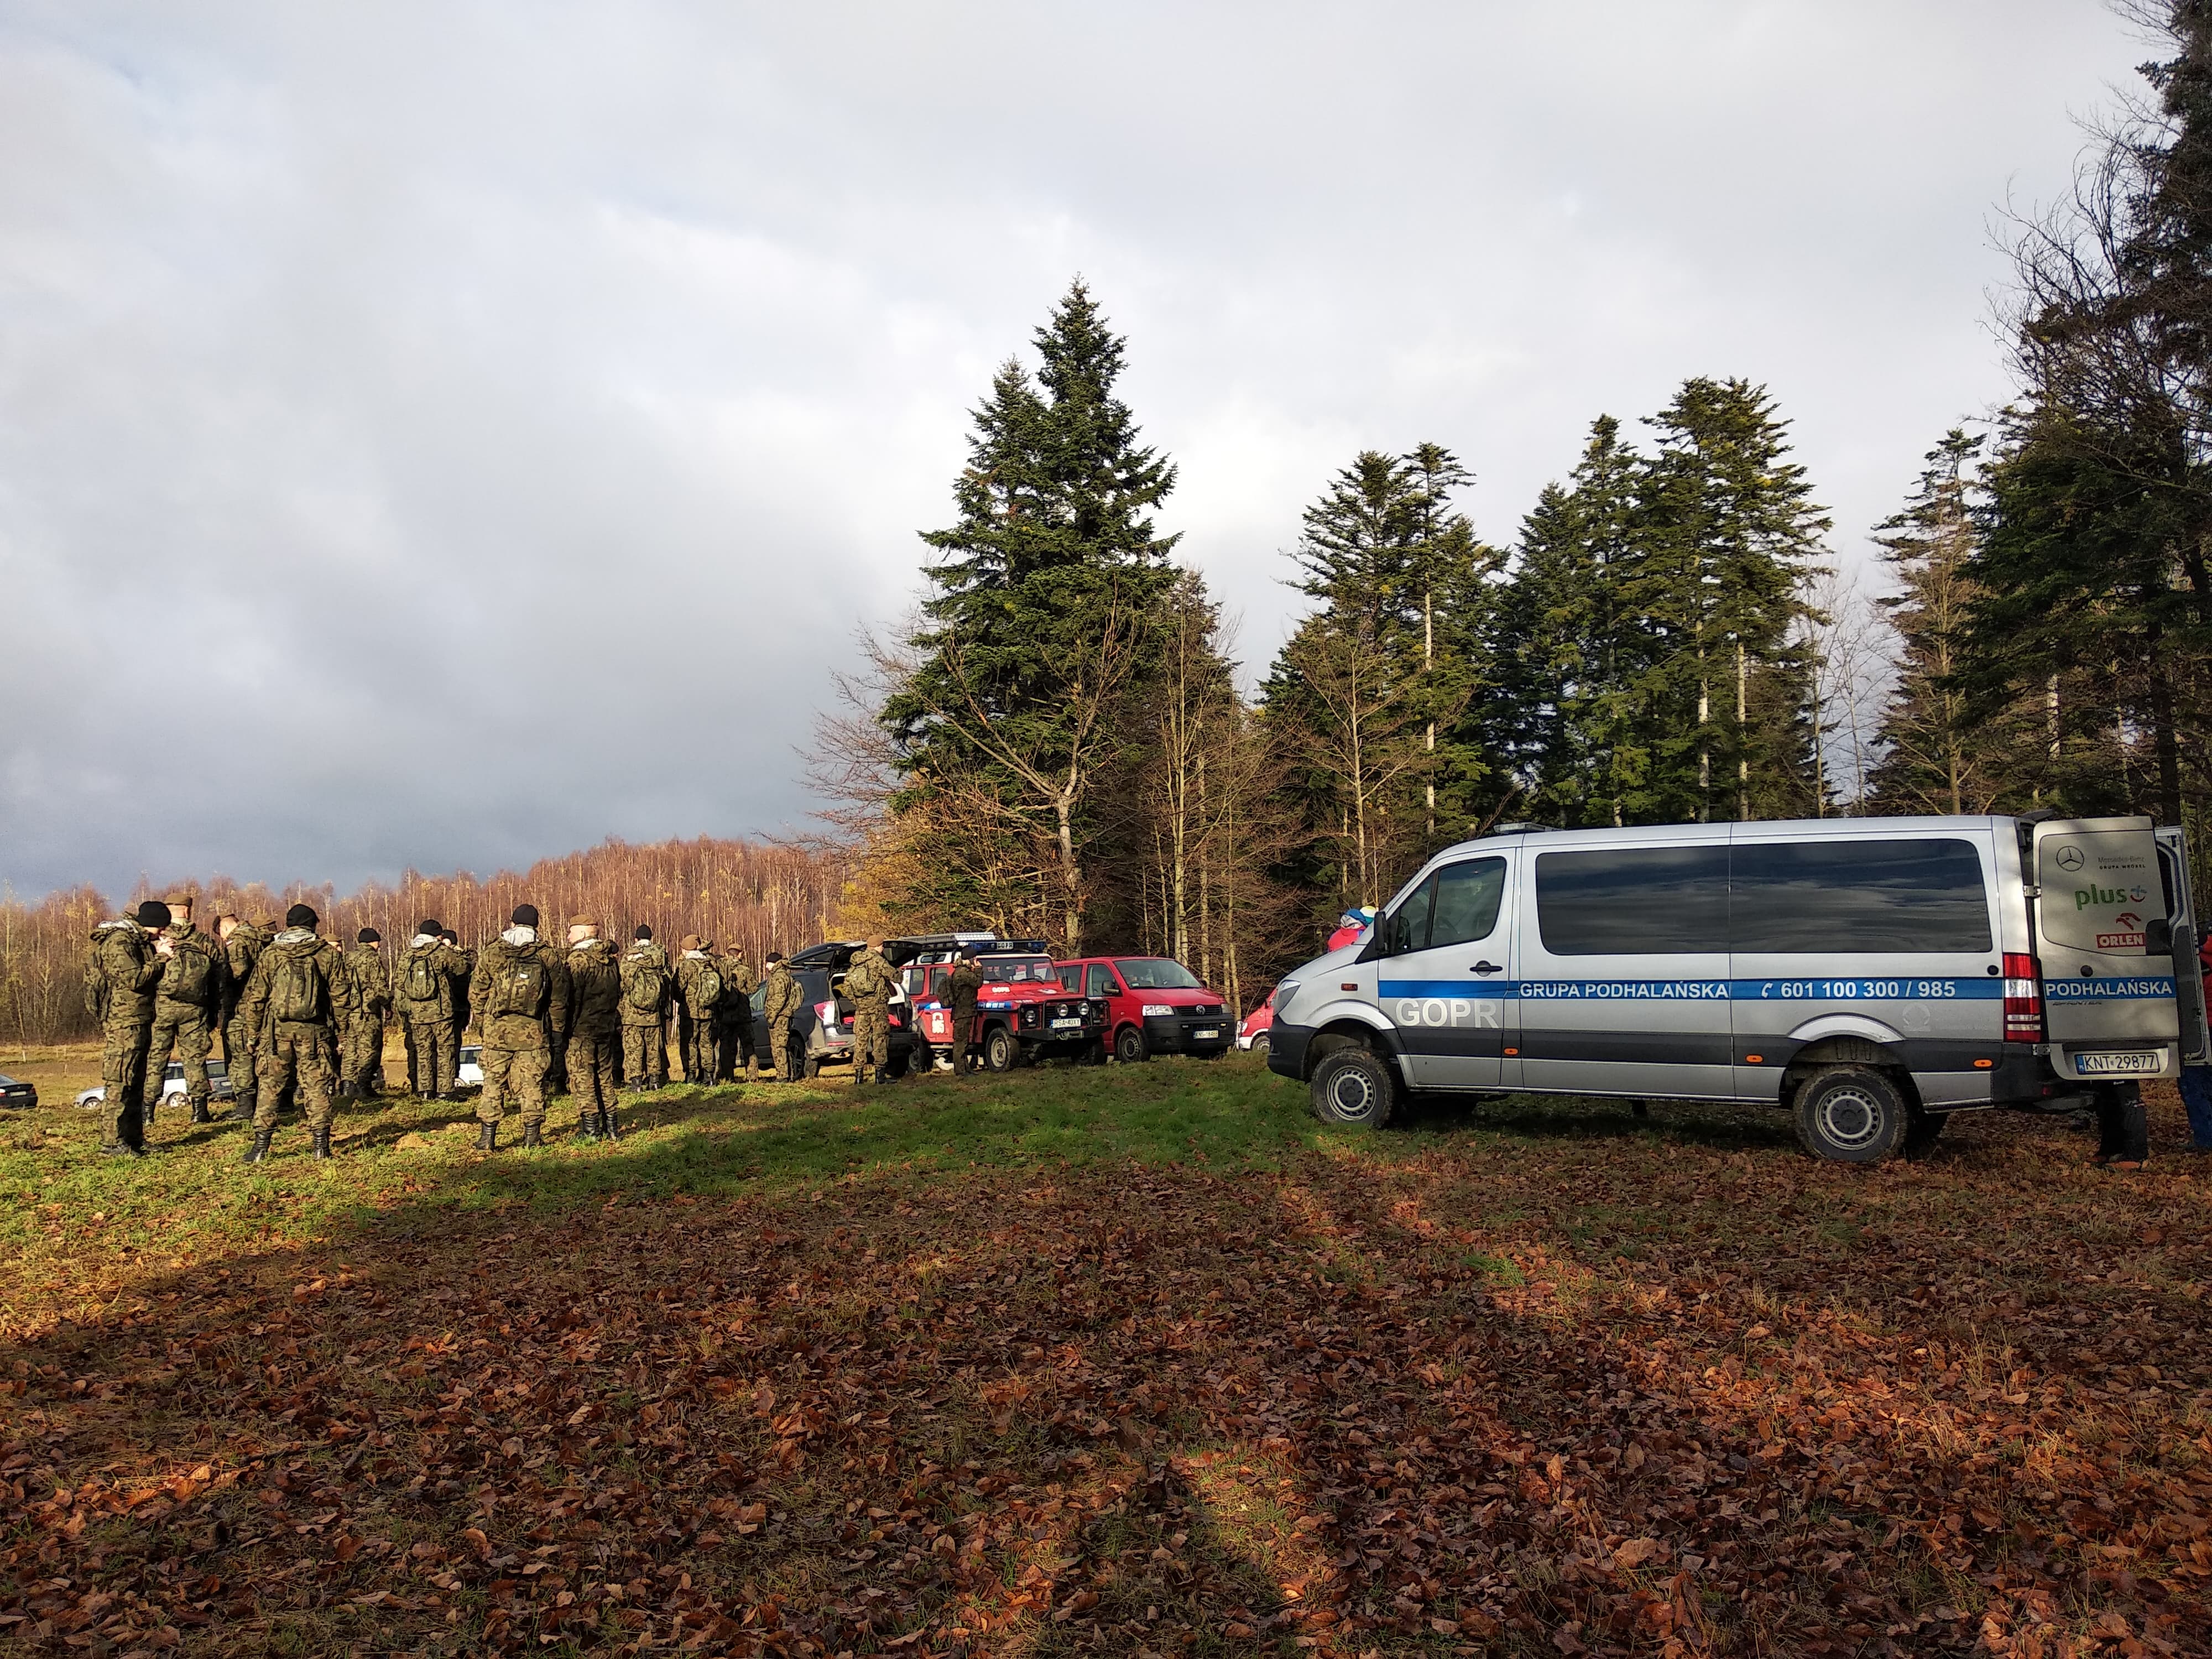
<point x="689" y="942"/>
<point x="583" y="922"/>
<point x="181" y="901"/>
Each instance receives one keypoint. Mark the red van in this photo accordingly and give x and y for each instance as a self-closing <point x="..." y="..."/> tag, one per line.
<point x="1154" y="1006"/>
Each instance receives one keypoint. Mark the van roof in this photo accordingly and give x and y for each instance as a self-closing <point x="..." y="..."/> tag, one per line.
<point x="1694" y="835"/>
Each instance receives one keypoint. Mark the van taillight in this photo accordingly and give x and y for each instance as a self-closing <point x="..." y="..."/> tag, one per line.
<point x="2023" y="1000"/>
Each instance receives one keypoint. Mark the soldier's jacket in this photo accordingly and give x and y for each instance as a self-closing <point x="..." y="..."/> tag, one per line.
<point x="519" y="992"/>
<point x="785" y="996"/>
<point x="372" y="989"/>
<point x="240" y="951"/>
<point x="192" y="977"/>
<point x="465" y="972"/>
<point x="869" y="977"/>
<point x="698" y="982"/>
<point x="300" y="981"/>
<point x="965" y="981"/>
<point x="645" y="983"/>
<point x="595" y="983"/>
<point x="120" y="973"/>
<point x="439" y="962"/>
<point x="738" y="984"/>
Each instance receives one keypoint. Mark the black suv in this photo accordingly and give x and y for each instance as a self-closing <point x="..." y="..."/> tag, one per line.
<point x="821" y="1029"/>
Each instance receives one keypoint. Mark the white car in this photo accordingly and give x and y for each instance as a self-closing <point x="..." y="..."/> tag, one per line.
<point x="468" y="1074"/>
<point x="172" y="1084"/>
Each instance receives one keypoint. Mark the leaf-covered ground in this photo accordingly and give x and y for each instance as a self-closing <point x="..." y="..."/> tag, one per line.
<point x="1128" y="1361"/>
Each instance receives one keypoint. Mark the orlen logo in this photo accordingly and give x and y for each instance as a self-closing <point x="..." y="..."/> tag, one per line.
<point x="2085" y="897"/>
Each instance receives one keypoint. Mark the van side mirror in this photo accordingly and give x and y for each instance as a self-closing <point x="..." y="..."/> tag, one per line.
<point x="1376" y="948"/>
<point x="2158" y="937"/>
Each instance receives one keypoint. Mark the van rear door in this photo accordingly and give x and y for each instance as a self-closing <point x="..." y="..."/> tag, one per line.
<point x="2109" y="1002"/>
<point x="2188" y="967"/>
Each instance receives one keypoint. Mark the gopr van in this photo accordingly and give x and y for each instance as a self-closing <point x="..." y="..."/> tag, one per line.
<point x="1869" y="976"/>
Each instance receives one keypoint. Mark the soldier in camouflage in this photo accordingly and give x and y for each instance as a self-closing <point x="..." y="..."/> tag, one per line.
<point x="594" y="1027"/>
<point x="242" y="945"/>
<point x="361" y="1063"/>
<point x="869" y="977"/>
<point x="733" y="1020"/>
<point x="423" y="992"/>
<point x="698" y="992"/>
<point x="783" y="997"/>
<point x="521" y="1000"/>
<point x="645" y="982"/>
<point x="960" y="988"/>
<point x="185" y="1003"/>
<point x="296" y="996"/>
<point x="463" y="965"/>
<point x="121" y="970"/>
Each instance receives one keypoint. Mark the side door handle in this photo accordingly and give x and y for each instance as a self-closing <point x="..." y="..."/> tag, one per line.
<point x="1487" y="968"/>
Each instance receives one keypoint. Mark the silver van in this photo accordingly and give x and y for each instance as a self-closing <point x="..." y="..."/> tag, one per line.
<point x="1869" y="976"/>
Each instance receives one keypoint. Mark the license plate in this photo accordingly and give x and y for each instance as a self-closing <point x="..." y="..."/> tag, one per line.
<point x="1210" y="1031"/>
<point x="2127" y="1064"/>
<point x="1067" y="1025"/>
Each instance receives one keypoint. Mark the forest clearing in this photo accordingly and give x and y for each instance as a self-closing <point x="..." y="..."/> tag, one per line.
<point x="1139" y="1359"/>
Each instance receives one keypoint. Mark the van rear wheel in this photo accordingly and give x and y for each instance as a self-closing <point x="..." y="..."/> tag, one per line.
<point x="1355" y="1087"/>
<point x="1850" y="1115"/>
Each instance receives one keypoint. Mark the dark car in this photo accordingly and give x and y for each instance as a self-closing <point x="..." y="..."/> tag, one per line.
<point x="821" y="1029"/>
<point x="15" y="1094"/>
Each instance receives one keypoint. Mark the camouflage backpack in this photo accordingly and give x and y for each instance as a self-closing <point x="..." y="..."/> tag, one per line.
<point x="519" y="987"/>
<point x="860" y="979"/>
<point x="648" y="985"/>
<point x="96" y="984"/>
<point x="706" y="988"/>
<point x="190" y="976"/>
<point x="420" y="980"/>
<point x="296" y="989"/>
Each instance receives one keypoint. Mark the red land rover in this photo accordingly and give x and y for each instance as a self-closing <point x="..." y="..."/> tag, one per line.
<point x="1154" y="1006"/>
<point x="1023" y="1013"/>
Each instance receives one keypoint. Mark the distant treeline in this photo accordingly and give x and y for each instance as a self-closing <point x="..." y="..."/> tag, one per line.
<point x="761" y="897"/>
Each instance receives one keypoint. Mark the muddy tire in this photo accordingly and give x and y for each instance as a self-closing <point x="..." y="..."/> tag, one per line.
<point x="1852" y="1114"/>
<point x="1356" y="1088"/>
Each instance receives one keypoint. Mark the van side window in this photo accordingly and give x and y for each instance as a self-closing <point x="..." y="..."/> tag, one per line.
<point x="1835" y="896"/>
<point x="1407" y="929"/>
<point x="1101" y="981"/>
<point x="1467" y="900"/>
<point x="1633" y="901"/>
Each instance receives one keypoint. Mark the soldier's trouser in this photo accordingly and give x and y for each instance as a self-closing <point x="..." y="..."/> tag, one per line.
<point x="431" y="1071"/>
<point x="518" y="1072"/>
<point x="592" y="1070"/>
<point x="557" y="1066"/>
<point x="963" y="1032"/>
<point x="239" y="1061"/>
<point x="779" y="1046"/>
<point x="695" y="1047"/>
<point x="122" y="1048"/>
<point x="645" y="1056"/>
<point x="294" y="1054"/>
<point x="872" y="1036"/>
<point x="186" y="1030"/>
<point x="363" y="1048"/>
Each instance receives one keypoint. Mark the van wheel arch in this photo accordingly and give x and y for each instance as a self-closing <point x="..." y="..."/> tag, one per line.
<point x="1829" y="1052"/>
<point x="1348" y="1034"/>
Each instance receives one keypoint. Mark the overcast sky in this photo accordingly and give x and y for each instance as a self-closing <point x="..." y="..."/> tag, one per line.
<point x="448" y="434"/>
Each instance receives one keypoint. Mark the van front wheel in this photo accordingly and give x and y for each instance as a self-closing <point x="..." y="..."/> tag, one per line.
<point x="1354" y="1087"/>
<point x="1850" y="1115"/>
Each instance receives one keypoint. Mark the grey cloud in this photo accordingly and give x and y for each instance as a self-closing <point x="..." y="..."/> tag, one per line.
<point x="449" y="434"/>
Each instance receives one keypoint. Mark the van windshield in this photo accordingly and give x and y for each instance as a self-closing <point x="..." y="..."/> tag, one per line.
<point x="1155" y="974"/>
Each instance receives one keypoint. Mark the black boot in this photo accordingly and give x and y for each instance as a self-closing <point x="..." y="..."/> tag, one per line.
<point x="487" y="1138"/>
<point x="531" y="1137"/>
<point x="259" y="1151"/>
<point x="240" y="1112"/>
<point x="322" y="1143"/>
<point x="587" y="1126"/>
<point x="608" y="1126"/>
<point x="200" y="1113"/>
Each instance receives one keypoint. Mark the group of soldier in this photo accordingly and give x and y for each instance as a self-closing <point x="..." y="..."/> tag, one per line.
<point x="299" y="1018"/>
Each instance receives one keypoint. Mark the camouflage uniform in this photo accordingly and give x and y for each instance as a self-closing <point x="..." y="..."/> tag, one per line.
<point x="186" y="1002"/>
<point x="422" y="992"/>
<point x="645" y="981"/>
<point x="297" y="996"/>
<point x="961" y="989"/>
<point x="784" y="997"/>
<point x="733" y="1020"/>
<point x="463" y="970"/>
<point x="869" y="977"/>
<point x="240" y="951"/>
<point x="362" y="1064"/>
<point x="120" y="974"/>
<point x="698" y="992"/>
<point x="519" y="1000"/>
<point x="594" y="1033"/>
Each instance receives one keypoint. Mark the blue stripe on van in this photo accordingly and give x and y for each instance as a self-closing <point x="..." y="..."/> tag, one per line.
<point x="1868" y="988"/>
